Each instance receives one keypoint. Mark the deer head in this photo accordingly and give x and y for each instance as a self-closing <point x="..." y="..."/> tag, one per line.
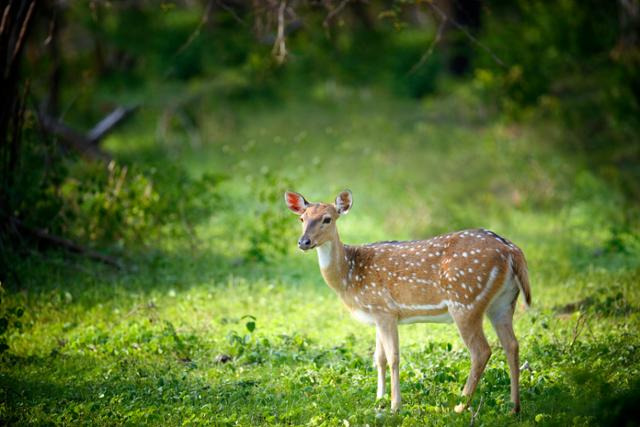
<point x="318" y="219"/>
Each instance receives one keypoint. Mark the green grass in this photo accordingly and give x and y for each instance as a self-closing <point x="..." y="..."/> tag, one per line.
<point x="140" y="346"/>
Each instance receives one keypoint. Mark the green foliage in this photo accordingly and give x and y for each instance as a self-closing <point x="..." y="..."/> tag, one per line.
<point x="412" y="76"/>
<point x="620" y="408"/>
<point x="582" y="74"/>
<point x="269" y="225"/>
<point x="32" y="194"/>
<point x="10" y="319"/>
<point x="221" y="321"/>
<point x="109" y="206"/>
<point x="196" y="202"/>
<point x="567" y="40"/>
<point x="84" y="201"/>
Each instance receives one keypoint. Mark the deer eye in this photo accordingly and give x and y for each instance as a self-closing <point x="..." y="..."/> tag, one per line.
<point x="326" y="220"/>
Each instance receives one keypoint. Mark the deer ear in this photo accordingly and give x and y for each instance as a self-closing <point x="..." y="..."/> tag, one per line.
<point x="295" y="202"/>
<point x="344" y="201"/>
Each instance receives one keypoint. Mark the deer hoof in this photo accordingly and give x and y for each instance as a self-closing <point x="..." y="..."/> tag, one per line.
<point x="460" y="408"/>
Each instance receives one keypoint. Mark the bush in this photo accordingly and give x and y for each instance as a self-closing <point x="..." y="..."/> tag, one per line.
<point x="270" y="223"/>
<point x="580" y="75"/>
<point x="10" y="320"/>
<point x="112" y="207"/>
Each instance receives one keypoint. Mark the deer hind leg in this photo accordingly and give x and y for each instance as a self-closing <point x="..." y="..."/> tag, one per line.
<point x="473" y="336"/>
<point x="501" y="316"/>
<point x="381" y="363"/>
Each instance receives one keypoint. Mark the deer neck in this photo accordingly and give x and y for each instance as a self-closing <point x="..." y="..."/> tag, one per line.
<point x="333" y="263"/>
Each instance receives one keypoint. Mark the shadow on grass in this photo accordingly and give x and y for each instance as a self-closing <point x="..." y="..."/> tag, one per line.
<point x="604" y="304"/>
<point x="133" y="390"/>
<point x="56" y="277"/>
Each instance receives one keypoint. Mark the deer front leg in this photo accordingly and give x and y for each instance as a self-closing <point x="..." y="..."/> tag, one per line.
<point x="389" y="333"/>
<point x="381" y="363"/>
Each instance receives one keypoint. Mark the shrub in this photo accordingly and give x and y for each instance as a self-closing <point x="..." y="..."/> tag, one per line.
<point x="10" y="320"/>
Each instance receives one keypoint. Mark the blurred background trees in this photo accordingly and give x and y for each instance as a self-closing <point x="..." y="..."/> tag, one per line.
<point x="73" y="71"/>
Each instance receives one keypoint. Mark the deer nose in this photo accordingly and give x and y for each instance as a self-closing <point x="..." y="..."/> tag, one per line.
<point x="304" y="242"/>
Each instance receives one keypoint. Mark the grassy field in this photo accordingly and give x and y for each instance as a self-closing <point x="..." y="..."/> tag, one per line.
<point x="148" y="344"/>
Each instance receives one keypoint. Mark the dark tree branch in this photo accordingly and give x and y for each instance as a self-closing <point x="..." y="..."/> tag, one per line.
<point x="194" y="35"/>
<point x="87" y="145"/>
<point x="232" y="12"/>
<point x="66" y="244"/>
<point x="52" y="102"/>
<point x="436" y="40"/>
<point x="14" y="26"/>
<point x="110" y="121"/>
<point x="443" y="20"/>
<point x="334" y="12"/>
<point x="71" y="138"/>
<point x="466" y="32"/>
<point x="23" y="30"/>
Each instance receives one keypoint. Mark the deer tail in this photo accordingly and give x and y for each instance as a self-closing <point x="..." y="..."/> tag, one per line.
<point x="521" y="273"/>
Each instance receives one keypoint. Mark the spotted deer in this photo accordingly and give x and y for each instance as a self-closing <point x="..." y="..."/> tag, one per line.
<point x="456" y="277"/>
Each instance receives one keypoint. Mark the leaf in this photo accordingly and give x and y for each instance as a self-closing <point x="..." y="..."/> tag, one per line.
<point x="4" y="323"/>
<point x="251" y="326"/>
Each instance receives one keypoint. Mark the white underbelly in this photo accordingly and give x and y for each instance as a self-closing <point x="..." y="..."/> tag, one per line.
<point x="436" y="318"/>
<point x="363" y="317"/>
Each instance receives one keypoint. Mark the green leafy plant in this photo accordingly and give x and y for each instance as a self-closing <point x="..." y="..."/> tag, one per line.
<point x="10" y="320"/>
<point x="116" y="207"/>
<point x="269" y="226"/>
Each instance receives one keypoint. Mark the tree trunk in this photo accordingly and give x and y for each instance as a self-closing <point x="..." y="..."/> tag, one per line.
<point x="52" y="103"/>
<point x="15" y="22"/>
<point x="467" y="13"/>
<point x="16" y="18"/>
